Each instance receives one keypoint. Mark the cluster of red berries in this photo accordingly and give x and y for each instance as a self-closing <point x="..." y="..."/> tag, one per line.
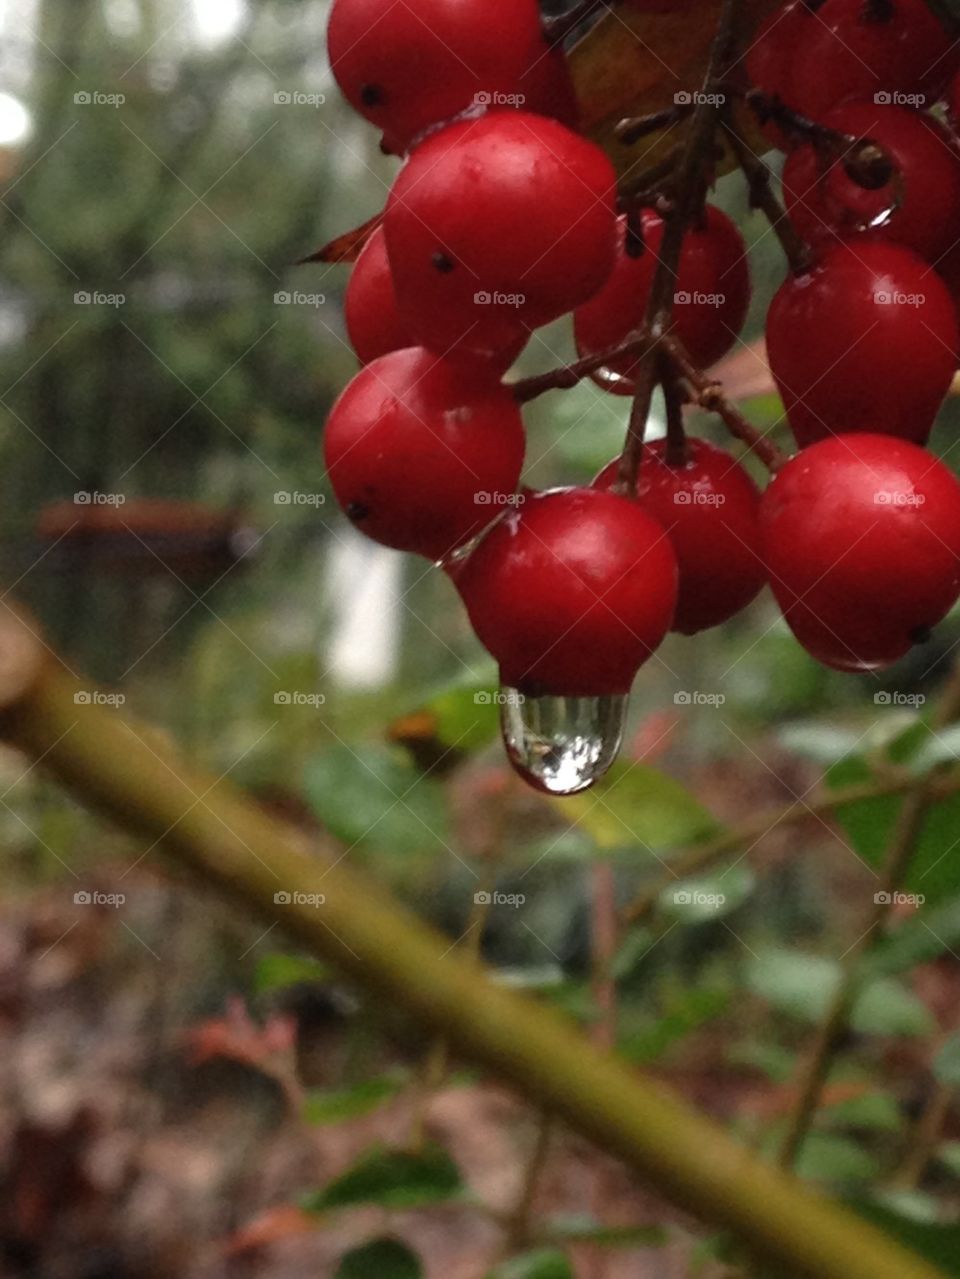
<point x="503" y="217"/>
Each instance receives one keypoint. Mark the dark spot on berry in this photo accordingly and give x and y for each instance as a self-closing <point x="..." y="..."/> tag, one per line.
<point x="921" y="635"/>
<point x="357" y="511"/>
<point x="371" y="95"/>
<point x="442" y="263"/>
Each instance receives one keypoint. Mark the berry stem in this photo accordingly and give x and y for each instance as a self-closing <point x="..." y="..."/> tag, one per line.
<point x="675" y="396"/>
<point x="567" y="376"/>
<point x="798" y="253"/>
<point x="557" y="29"/>
<point x="636" y="127"/>
<point x="689" y="187"/>
<point x="709" y="396"/>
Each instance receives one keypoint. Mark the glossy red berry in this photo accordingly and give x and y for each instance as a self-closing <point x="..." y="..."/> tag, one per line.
<point x="547" y="89"/>
<point x="885" y="50"/>
<point x="370" y="307"/>
<point x="710" y="303"/>
<point x="826" y="203"/>
<point x="422" y="451"/>
<point x="866" y="341"/>
<point x="862" y="540"/>
<point x="498" y="225"/>
<point x="409" y="65"/>
<point x="709" y="507"/>
<point x="571" y="592"/>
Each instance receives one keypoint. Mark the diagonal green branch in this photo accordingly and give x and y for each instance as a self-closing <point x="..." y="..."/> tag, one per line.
<point x="211" y="829"/>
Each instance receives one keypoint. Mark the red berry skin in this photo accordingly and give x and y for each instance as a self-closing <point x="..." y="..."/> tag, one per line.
<point x="862" y="540"/>
<point x="497" y="225"/>
<point x="547" y="89"/>
<point x="713" y="265"/>
<point x="769" y="59"/>
<point x="709" y="507"/>
<point x="421" y="451"/>
<point x="866" y="341"/>
<point x="370" y="306"/>
<point x="571" y="592"/>
<point x="827" y="205"/>
<point x="849" y="53"/>
<point x="408" y="66"/>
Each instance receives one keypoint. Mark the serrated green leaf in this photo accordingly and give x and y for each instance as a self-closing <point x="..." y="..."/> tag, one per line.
<point x="638" y="807"/>
<point x="347" y="1103"/>
<point x="372" y="797"/>
<point x="381" y="1259"/>
<point x="393" y="1179"/>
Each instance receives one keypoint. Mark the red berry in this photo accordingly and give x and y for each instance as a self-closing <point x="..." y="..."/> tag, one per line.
<point x="571" y="592"/>
<point x="825" y="202"/>
<point x="769" y="59"/>
<point x="370" y="308"/>
<point x="866" y="341"/>
<point x="547" y="89"/>
<point x="894" y="49"/>
<point x="409" y="65"/>
<point x="420" y="449"/>
<point x="496" y="226"/>
<point x="711" y="299"/>
<point x="862" y="539"/>
<point x="709" y="507"/>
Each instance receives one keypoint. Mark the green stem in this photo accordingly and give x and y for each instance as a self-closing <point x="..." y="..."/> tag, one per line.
<point x="204" y="824"/>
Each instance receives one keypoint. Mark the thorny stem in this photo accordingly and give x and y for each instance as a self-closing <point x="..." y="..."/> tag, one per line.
<point x="910" y="822"/>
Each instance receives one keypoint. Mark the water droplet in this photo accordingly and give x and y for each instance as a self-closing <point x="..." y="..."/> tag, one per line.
<point x="561" y="745"/>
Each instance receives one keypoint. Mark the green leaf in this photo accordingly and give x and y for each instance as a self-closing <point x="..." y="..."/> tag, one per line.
<point x="462" y="714"/>
<point x="802" y="986"/>
<point x="393" y="1179"/>
<point x="586" y="1229"/>
<point x="381" y="1259"/>
<point x="874" y="1112"/>
<point x="277" y="970"/>
<point x="946" y="1064"/>
<point x="919" y="939"/>
<point x="827" y="1157"/>
<point x="689" y="1010"/>
<point x="372" y="797"/>
<point x="635" y="805"/>
<point x="823" y="743"/>
<point x="347" y="1103"/>
<point x="545" y="1263"/>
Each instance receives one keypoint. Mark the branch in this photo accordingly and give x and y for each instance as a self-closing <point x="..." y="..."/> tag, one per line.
<point x="123" y="769"/>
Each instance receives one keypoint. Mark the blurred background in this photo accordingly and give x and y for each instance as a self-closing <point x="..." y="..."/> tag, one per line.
<point x="163" y="164"/>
